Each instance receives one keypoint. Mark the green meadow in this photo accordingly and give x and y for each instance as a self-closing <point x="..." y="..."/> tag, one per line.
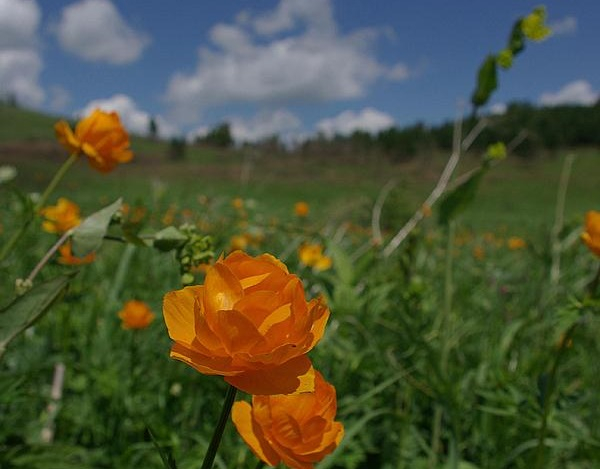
<point x="474" y="344"/>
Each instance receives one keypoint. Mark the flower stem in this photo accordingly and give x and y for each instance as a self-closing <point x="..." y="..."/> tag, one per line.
<point x="40" y="203"/>
<point x="209" y="458"/>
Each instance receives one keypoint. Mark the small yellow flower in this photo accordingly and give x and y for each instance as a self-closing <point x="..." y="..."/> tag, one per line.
<point x="533" y="25"/>
<point x="61" y="217"/>
<point x="100" y="136"/>
<point x="505" y="58"/>
<point x="301" y="209"/>
<point x="514" y="243"/>
<point x="591" y="235"/>
<point x="136" y="315"/>
<point x="237" y="203"/>
<point x="311" y="255"/>
<point x="496" y="151"/>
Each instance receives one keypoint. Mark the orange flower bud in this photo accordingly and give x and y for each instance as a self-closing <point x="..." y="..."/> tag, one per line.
<point x="100" y="136"/>
<point x="591" y="235"/>
<point x="60" y="217"/>
<point x="136" y="315"/>
<point x="67" y="257"/>
<point x="298" y="430"/>
<point x="301" y="209"/>
<point x="249" y="322"/>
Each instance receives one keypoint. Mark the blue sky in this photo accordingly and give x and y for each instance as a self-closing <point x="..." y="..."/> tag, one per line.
<point x="288" y="67"/>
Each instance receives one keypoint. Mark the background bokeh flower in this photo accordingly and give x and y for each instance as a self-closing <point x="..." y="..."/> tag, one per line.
<point x="136" y="315"/>
<point x="591" y="234"/>
<point x="61" y="217"/>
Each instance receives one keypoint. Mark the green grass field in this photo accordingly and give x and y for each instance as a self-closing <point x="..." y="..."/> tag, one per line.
<point x="457" y="350"/>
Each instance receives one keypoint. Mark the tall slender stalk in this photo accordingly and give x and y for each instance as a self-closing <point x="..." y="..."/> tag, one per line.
<point x="211" y="452"/>
<point x="40" y="203"/>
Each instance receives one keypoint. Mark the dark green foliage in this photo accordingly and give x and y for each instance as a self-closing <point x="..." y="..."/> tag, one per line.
<point x="219" y="137"/>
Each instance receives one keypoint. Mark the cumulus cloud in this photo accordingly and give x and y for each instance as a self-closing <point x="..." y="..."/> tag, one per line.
<point x="577" y="92"/>
<point x="95" y="31"/>
<point x="265" y="124"/>
<point x="368" y="120"/>
<point x="292" y="54"/>
<point x="20" y="61"/>
<point x="133" y="118"/>
<point x="564" y="26"/>
<point x="59" y="98"/>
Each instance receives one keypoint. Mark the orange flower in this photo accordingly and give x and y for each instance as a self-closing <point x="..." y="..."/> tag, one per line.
<point x="301" y="209"/>
<point x="237" y="203"/>
<point x="136" y="315"/>
<point x="298" y="430"/>
<point x="591" y="235"/>
<point x="249" y="322"/>
<point x="478" y="253"/>
<point x="60" y="217"/>
<point x="514" y="243"/>
<point x="67" y="257"/>
<point x="311" y="255"/>
<point x="238" y="242"/>
<point x="100" y="136"/>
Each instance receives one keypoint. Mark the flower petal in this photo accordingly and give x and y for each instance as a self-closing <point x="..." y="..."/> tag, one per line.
<point x="241" y="414"/>
<point x="178" y="311"/>
<point x="223" y="290"/>
<point x="293" y="376"/>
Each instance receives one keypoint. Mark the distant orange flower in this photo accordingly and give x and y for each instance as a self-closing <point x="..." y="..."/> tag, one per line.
<point x="591" y="235"/>
<point x="60" y="217"/>
<point x="237" y="203"/>
<point x="301" y="209"/>
<point x="311" y="255"/>
<point x="298" y="430"/>
<point x="249" y="322"/>
<point x="238" y="242"/>
<point x="136" y="315"/>
<point x="478" y="253"/>
<point x="67" y="257"/>
<point x="514" y="243"/>
<point x="100" y="136"/>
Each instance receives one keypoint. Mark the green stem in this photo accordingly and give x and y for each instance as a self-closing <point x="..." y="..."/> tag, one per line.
<point x="55" y="180"/>
<point x="540" y="453"/>
<point x="40" y="203"/>
<point x="209" y="458"/>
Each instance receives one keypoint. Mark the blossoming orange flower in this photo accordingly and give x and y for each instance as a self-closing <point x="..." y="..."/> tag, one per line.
<point x="136" y="315"/>
<point x="298" y="430"/>
<point x="591" y="235"/>
<point x="100" y="136"/>
<point x="60" y="217"/>
<point x="249" y="322"/>
<point x="67" y="257"/>
<point x="301" y="209"/>
<point x="514" y="243"/>
<point x="311" y="255"/>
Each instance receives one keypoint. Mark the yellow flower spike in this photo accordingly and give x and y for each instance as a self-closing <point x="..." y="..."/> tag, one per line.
<point x="136" y="315"/>
<point x="100" y="136"/>
<point x="533" y="25"/>
<point x="591" y="234"/>
<point x="61" y="217"/>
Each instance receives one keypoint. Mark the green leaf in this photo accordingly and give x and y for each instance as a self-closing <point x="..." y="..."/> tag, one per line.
<point x="487" y="81"/>
<point x="166" y="454"/>
<point x="168" y="239"/>
<point x="460" y="197"/>
<point x="516" y="42"/>
<point x="24" y="310"/>
<point x="88" y="236"/>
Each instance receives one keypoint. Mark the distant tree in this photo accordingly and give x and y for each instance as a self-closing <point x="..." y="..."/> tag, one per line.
<point x="177" y="149"/>
<point x="220" y="136"/>
<point x="152" y="128"/>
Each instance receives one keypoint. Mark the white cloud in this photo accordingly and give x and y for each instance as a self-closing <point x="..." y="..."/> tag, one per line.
<point x="20" y="61"/>
<point x="134" y="119"/>
<point x="577" y="92"/>
<point x="498" y="109"/>
<point x="265" y="124"/>
<point x="399" y="72"/>
<point x="307" y="61"/>
<point x="564" y="26"/>
<point x="95" y="31"/>
<point x="369" y="120"/>
<point x="59" y="98"/>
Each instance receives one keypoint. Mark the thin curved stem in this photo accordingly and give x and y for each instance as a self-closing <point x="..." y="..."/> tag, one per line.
<point x="211" y="452"/>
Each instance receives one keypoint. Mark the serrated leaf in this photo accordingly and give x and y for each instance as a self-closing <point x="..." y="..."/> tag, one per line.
<point x="460" y="197"/>
<point x="87" y="237"/>
<point x="24" y="310"/>
<point x="487" y="81"/>
<point x="168" y="239"/>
